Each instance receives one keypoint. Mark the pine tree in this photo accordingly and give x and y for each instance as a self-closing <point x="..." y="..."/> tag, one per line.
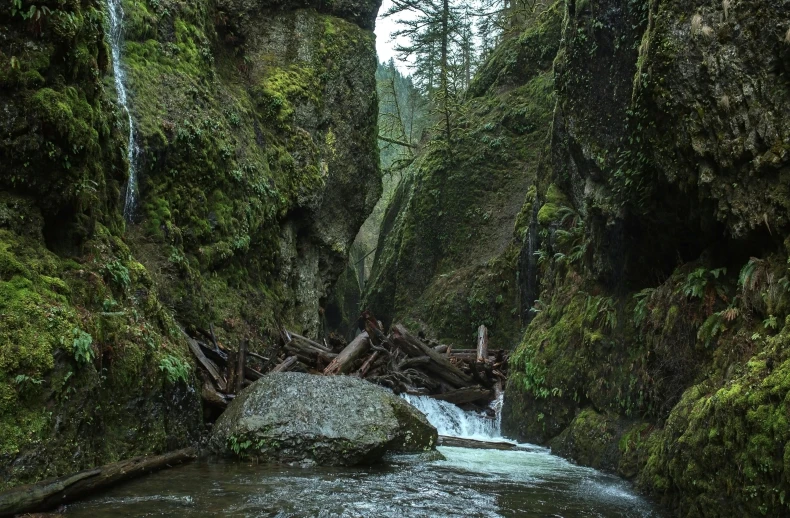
<point x="430" y="28"/>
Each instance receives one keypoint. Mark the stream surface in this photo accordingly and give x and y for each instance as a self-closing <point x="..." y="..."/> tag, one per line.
<point x="526" y="482"/>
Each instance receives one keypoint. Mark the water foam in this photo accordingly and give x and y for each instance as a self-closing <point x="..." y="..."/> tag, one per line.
<point x="452" y="421"/>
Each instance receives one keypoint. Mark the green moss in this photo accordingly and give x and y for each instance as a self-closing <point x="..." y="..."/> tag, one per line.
<point x="550" y="211"/>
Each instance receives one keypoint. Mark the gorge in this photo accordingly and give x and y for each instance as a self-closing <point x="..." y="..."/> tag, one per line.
<point x="607" y="194"/>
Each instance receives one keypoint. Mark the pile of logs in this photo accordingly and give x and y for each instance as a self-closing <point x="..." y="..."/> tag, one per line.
<point x="400" y="361"/>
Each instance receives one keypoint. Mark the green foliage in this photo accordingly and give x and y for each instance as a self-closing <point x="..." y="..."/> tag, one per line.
<point x="118" y="274"/>
<point x="713" y="326"/>
<point x="175" y="368"/>
<point x="697" y="282"/>
<point x="25" y="380"/>
<point x="642" y="300"/>
<point x="601" y="311"/>
<point x="82" y="346"/>
<point x="238" y="446"/>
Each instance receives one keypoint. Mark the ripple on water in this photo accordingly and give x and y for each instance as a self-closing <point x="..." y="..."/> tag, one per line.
<point x="469" y="483"/>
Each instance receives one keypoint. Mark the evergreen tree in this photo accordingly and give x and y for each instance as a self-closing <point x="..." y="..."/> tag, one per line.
<point x="430" y="26"/>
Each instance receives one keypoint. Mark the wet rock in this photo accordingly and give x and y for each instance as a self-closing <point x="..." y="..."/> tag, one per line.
<point x="306" y="419"/>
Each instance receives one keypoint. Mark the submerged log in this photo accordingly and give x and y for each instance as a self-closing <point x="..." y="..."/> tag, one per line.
<point x="445" y="440"/>
<point x="345" y="360"/>
<point x="50" y="494"/>
<point x="465" y="395"/>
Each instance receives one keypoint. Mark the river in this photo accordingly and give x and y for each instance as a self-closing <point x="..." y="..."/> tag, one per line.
<point x="526" y="482"/>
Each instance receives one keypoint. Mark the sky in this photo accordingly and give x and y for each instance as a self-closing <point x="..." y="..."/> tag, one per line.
<point x="384" y="29"/>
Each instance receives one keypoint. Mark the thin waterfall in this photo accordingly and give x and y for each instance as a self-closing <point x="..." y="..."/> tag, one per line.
<point x="115" y="11"/>
<point x="452" y="421"/>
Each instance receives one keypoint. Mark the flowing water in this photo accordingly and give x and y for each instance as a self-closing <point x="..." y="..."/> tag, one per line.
<point x="115" y="11"/>
<point x="526" y="482"/>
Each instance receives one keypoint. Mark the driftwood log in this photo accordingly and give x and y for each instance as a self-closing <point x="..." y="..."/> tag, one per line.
<point x="445" y="440"/>
<point x="345" y="360"/>
<point x="482" y="343"/>
<point x="465" y="395"/>
<point x="52" y="493"/>
<point x="402" y="361"/>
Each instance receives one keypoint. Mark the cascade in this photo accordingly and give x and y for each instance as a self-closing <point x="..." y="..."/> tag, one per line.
<point x="115" y="11"/>
<point x="452" y="421"/>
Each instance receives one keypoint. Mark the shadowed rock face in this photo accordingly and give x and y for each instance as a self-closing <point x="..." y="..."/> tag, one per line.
<point x="256" y="128"/>
<point x="300" y="418"/>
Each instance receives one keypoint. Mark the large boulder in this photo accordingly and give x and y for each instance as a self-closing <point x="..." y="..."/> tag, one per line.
<point x="338" y="420"/>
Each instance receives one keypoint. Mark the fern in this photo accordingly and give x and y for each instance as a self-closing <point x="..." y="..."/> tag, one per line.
<point x="642" y="300"/>
<point x="713" y="326"/>
<point x="747" y="277"/>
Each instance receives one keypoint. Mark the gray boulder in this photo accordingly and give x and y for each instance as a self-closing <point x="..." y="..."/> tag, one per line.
<point x="328" y="420"/>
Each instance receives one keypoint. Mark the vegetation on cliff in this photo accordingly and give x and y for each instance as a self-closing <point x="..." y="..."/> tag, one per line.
<point x="647" y="142"/>
<point x="258" y="162"/>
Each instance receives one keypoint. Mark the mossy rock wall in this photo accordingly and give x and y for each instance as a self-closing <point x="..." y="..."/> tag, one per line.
<point x="657" y="344"/>
<point x="256" y="124"/>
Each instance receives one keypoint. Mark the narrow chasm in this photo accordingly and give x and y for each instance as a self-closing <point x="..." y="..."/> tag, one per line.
<point x="395" y="258"/>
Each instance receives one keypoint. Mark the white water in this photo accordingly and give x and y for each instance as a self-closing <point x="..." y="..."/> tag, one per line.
<point x="452" y="421"/>
<point x="115" y="11"/>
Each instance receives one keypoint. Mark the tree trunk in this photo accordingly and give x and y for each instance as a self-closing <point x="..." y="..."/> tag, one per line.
<point x="345" y="360"/>
<point x="366" y="366"/>
<point x="52" y="493"/>
<point x="240" y="359"/>
<point x="439" y="365"/>
<point x="482" y="343"/>
<point x="206" y="363"/>
<point x="285" y="365"/>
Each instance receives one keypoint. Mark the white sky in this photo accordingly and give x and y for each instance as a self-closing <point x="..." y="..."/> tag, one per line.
<point x="384" y="29"/>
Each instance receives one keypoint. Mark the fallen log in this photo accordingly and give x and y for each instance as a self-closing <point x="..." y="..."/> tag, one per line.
<point x="345" y="360"/>
<point x="458" y="442"/>
<point x="241" y="358"/>
<point x="467" y="357"/>
<point x="305" y="344"/>
<point x="366" y="366"/>
<point x="212" y="397"/>
<point x="285" y="365"/>
<point x="420" y="361"/>
<point x="252" y="374"/>
<point x="465" y="395"/>
<point x="206" y="363"/>
<point x="482" y="343"/>
<point x="50" y="494"/>
<point x="440" y="348"/>
<point x="440" y="365"/>
<point x="230" y="373"/>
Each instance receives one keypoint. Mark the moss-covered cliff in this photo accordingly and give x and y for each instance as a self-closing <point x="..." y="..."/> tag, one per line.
<point x="256" y="125"/>
<point x="659" y="346"/>
<point x="448" y="253"/>
<point x="652" y="245"/>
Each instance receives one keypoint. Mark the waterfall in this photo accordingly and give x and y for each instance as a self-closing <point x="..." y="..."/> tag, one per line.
<point x="452" y="421"/>
<point x="115" y="11"/>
